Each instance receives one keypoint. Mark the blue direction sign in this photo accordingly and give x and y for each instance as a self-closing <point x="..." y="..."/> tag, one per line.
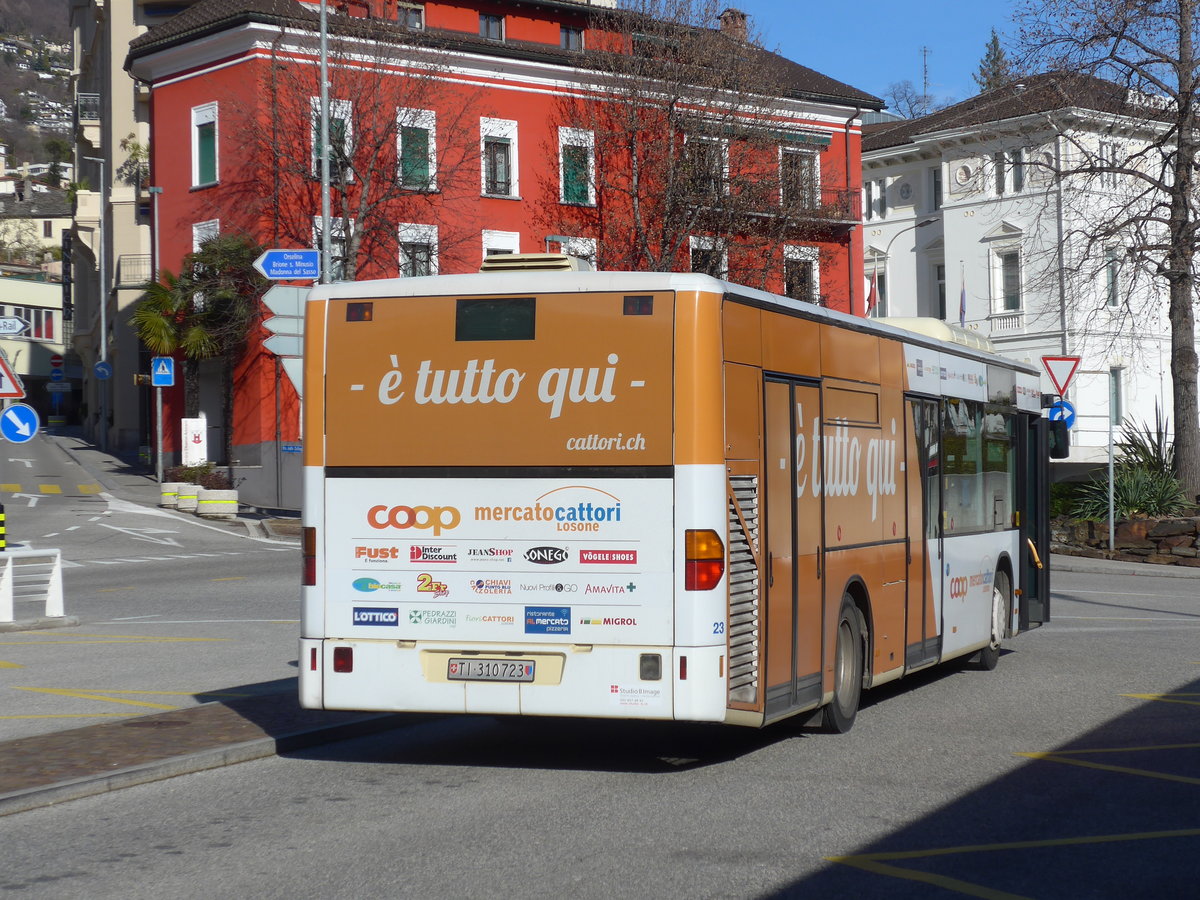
<point x="19" y="423"/>
<point x="286" y="265"/>
<point x="1065" y="411"/>
<point x="162" y="371"/>
<point x="103" y="370"/>
<point x="57" y="374"/>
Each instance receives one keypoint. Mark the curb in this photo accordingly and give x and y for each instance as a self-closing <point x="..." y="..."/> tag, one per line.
<point x="1088" y="565"/>
<point x="218" y="757"/>
<point x="39" y="624"/>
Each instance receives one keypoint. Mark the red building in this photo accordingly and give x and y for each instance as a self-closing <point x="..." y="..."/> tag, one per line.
<point x="461" y="128"/>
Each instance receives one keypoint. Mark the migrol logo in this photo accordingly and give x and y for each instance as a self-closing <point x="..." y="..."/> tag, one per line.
<point x="438" y="518"/>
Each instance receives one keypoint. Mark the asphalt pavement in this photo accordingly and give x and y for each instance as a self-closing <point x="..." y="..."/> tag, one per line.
<point x="78" y="762"/>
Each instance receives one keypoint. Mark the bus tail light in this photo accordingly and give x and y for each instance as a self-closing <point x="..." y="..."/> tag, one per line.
<point x="308" y="554"/>
<point x="704" y="559"/>
<point x="343" y="659"/>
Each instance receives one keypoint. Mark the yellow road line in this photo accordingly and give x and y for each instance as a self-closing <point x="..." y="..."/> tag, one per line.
<point x="89" y="488"/>
<point x="1166" y="698"/>
<point x="10" y="488"/>
<point x="868" y="864"/>
<point x="117" y="640"/>
<point x="232" y="578"/>
<point x="8" y="665"/>
<point x="89" y="695"/>
<point x="1120" y="749"/>
<point x="1124" y="770"/>
<point x="49" y="489"/>
<point x="97" y="715"/>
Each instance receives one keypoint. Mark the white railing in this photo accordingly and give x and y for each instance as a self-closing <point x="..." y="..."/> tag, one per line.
<point x="31" y="575"/>
<point x="1006" y="323"/>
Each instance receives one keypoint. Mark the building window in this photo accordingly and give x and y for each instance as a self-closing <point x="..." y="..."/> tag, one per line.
<point x="418" y="250"/>
<point x="204" y="231"/>
<point x="1017" y="160"/>
<point x="704" y="159"/>
<point x="935" y="188"/>
<point x="41" y="322"/>
<point x="491" y="27"/>
<point x="799" y="176"/>
<point x="416" y="150"/>
<point x="869" y="199"/>
<point x="1010" y="279"/>
<point x="939" y="280"/>
<point x="802" y="273"/>
<point x="497" y="242"/>
<point x="707" y="256"/>
<point x="338" y="244"/>
<point x="47" y="228"/>
<point x="1112" y="272"/>
<point x="499" y="156"/>
<point x="576" y="167"/>
<point x="570" y="38"/>
<point x="1107" y="161"/>
<point x="877" y="282"/>
<point x="204" y="144"/>
<point x="998" y="161"/>
<point x="412" y="17"/>
<point x="341" y="139"/>
<point x="881" y="190"/>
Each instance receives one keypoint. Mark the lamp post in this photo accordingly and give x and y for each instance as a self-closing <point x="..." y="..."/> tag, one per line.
<point x="326" y="239"/>
<point x="158" y="413"/>
<point x="103" y="302"/>
<point x="887" y="251"/>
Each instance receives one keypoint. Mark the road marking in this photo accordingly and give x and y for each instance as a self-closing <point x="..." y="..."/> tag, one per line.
<point x="146" y="534"/>
<point x="97" y="695"/>
<point x="74" y="528"/>
<point x="116" y="639"/>
<point x="113" y="591"/>
<point x="72" y="716"/>
<point x="51" y="534"/>
<point x="132" y="618"/>
<point x="232" y="578"/>
<point x="49" y="488"/>
<point x="90" y="488"/>
<point x="9" y="488"/>
<point x="32" y="498"/>
<point x="207" y="622"/>
<point x="1065" y="756"/>
<point x="1166" y="698"/>
<point x="28" y="462"/>
<point x="875" y="862"/>
<point x="8" y="665"/>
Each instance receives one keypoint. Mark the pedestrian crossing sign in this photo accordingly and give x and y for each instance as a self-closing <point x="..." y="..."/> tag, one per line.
<point x="162" y="371"/>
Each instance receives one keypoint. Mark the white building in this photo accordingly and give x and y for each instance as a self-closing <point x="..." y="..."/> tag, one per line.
<point x="965" y="220"/>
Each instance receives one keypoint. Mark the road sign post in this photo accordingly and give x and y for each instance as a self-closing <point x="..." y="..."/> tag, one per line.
<point x="162" y="374"/>
<point x="19" y="423"/>
<point x="287" y="330"/>
<point x="1061" y="370"/>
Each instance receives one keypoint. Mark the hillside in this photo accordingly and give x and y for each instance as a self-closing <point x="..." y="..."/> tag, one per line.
<point x="47" y="19"/>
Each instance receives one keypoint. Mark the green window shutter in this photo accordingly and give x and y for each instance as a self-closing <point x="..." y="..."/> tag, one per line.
<point x="575" y="174"/>
<point x="414" y="157"/>
<point x="206" y="153"/>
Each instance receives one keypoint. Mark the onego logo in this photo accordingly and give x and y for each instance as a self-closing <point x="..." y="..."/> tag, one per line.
<point x="370" y="615"/>
<point x="435" y="517"/>
<point x="546" y="556"/>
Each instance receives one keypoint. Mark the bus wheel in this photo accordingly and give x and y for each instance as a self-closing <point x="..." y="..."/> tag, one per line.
<point x="839" y="715"/>
<point x="989" y="656"/>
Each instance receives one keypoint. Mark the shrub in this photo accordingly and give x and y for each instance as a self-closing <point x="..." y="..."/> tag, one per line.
<point x="1063" y="497"/>
<point x="204" y="475"/>
<point x="1146" y="446"/>
<point x="1138" y="490"/>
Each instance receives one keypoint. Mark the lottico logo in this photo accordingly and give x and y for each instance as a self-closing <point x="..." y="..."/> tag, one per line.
<point x="438" y="518"/>
<point x="546" y="556"/>
<point x="369" y="615"/>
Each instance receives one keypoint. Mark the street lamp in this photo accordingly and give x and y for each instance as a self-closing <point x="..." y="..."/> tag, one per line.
<point x="158" y="414"/>
<point x="887" y="251"/>
<point x="103" y="303"/>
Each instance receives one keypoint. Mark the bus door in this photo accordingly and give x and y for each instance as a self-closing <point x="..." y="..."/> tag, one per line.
<point x="1033" y="489"/>
<point x="924" y="485"/>
<point x="794" y="543"/>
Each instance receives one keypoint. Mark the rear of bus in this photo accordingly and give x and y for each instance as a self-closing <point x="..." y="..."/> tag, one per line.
<point x="515" y="496"/>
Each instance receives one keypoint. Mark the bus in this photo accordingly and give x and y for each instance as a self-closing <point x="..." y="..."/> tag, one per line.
<point x="653" y="496"/>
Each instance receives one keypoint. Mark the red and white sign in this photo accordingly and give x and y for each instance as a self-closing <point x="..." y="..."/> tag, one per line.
<point x="1061" y="370"/>
<point x="11" y="387"/>
<point x="56" y="361"/>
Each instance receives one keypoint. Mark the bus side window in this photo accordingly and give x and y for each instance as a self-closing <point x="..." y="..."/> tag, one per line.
<point x="1060" y="439"/>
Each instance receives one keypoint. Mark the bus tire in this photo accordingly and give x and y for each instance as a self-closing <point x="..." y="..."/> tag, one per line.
<point x="989" y="656"/>
<point x="848" y="660"/>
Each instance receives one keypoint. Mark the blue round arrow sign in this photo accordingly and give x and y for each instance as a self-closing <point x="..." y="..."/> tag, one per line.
<point x="1064" y="410"/>
<point x="19" y="423"/>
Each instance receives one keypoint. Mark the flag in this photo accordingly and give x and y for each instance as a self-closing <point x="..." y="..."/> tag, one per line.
<point x="873" y="296"/>
<point x="962" y="307"/>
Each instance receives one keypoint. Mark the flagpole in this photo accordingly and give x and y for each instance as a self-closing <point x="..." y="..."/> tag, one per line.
<point x="962" y="296"/>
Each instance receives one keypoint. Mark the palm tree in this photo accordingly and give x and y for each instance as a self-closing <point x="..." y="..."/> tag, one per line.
<point x="166" y="321"/>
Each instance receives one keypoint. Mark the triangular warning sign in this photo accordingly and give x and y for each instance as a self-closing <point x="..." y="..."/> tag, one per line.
<point x="11" y="387"/>
<point x="1061" y="370"/>
<point x="163" y="368"/>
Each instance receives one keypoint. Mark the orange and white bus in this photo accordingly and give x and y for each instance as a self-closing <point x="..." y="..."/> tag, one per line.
<point x="657" y="496"/>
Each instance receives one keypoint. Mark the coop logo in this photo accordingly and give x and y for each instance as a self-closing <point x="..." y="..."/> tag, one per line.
<point x="491" y="586"/>
<point x="547" y="620"/>
<point x="961" y="585"/>
<point x="432" y="554"/>
<point x="447" y="617"/>
<point x="370" y="585"/>
<point x="546" y="556"/>
<point x="608" y="557"/>
<point x="376" y="554"/>
<point x="370" y="615"/>
<point x="438" y="518"/>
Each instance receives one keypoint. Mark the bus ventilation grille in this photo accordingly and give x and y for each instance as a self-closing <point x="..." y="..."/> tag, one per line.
<point x="743" y="589"/>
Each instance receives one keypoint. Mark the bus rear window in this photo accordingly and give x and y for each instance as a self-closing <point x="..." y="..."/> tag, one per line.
<point x="504" y="319"/>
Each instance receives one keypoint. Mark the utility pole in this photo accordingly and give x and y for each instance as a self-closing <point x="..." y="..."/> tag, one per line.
<point x="925" y="51"/>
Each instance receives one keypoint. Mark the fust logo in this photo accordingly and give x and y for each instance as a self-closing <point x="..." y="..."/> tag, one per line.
<point x="546" y="556"/>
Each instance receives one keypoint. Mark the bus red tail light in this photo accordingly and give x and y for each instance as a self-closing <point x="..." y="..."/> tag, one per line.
<point x="343" y="659"/>
<point x="704" y="562"/>
<point x="308" y="551"/>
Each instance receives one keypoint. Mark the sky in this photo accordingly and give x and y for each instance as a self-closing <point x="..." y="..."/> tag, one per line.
<point x="873" y="46"/>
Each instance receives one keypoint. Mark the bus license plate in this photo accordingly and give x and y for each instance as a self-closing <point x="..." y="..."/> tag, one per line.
<point x="490" y="670"/>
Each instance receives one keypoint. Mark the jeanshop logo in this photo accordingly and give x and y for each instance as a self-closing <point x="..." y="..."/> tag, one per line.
<point x="438" y="518"/>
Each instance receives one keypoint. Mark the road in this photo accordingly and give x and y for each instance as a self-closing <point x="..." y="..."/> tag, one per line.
<point x="171" y="608"/>
<point x="1070" y="771"/>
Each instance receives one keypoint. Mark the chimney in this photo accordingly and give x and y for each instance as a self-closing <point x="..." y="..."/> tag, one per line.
<point x="733" y="24"/>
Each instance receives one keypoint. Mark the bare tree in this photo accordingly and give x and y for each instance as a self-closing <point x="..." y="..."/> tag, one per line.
<point x="689" y="161"/>
<point x="399" y="133"/>
<point x="1150" y="49"/>
<point x="904" y="99"/>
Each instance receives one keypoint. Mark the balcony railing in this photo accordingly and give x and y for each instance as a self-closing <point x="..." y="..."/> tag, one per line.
<point x="826" y="204"/>
<point x="87" y="107"/>
<point x="1008" y="323"/>
<point x="134" y="270"/>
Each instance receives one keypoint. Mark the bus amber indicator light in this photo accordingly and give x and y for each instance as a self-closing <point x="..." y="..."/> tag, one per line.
<point x="308" y="538"/>
<point x="704" y="559"/>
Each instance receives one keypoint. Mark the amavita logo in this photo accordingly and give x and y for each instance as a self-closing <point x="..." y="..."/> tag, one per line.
<point x="418" y="553"/>
<point x="438" y="518"/>
<point x="608" y="557"/>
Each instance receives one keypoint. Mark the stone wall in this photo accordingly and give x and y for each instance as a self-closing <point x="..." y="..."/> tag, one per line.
<point x="1164" y="542"/>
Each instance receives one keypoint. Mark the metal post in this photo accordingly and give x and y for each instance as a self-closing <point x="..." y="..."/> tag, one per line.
<point x="887" y="255"/>
<point x="154" y="192"/>
<point x="326" y="242"/>
<point x="158" y="402"/>
<point x="1115" y="413"/>
<point x="103" y="387"/>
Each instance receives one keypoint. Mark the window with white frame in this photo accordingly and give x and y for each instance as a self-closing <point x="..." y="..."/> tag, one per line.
<point x="339" y="242"/>
<point x="1107" y="161"/>
<point x="498" y="151"/>
<point x="935" y="188"/>
<point x="497" y="242"/>
<point x="1008" y="279"/>
<point x="584" y="248"/>
<point x="418" y="250"/>
<point x="411" y="16"/>
<point x="706" y="165"/>
<point x="204" y="144"/>
<point x="881" y="192"/>
<point x="203" y="231"/>
<point x="1112" y="277"/>
<point x="802" y="273"/>
<point x="576" y="166"/>
<point x="341" y="139"/>
<point x="939" y="281"/>
<point x="999" y="166"/>
<point x="708" y="256"/>
<point x="876" y="272"/>
<point x="1016" y="159"/>
<point x="800" y="179"/>
<point x="416" y="148"/>
<point x="40" y="319"/>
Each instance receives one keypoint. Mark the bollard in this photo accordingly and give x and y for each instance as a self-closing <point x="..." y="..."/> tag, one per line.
<point x="169" y="495"/>
<point x="185" y="500"/>
<point x="217" y="504"/>
<point x="3" y="530"/>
